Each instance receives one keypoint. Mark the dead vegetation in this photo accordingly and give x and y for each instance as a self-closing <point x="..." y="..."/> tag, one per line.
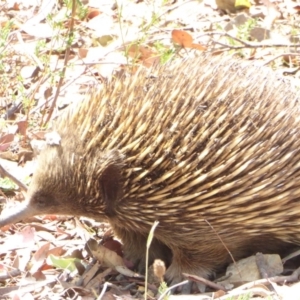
<point x="52" y="54"/>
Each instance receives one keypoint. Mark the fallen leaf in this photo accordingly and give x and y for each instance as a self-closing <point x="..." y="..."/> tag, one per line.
<point x="39" y="257"/>
<point x="93" y="13"/>
<point x="22" y="127"/>
<point x="182" y="38"/>
<point x="7" y="138"/>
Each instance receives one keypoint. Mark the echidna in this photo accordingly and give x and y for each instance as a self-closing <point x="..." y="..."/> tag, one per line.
<point x="204" y="146"/>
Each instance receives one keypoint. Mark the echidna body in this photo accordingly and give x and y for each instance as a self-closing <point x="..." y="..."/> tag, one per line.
<point x="209" y="147"/>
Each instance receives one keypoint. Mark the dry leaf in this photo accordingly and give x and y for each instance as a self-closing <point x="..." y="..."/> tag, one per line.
<point x="182" y="38"/>
<point x="39" y="257"/>
<point x="7" y="138"/>
<point x="22" y="127"/>
<point x="93" y="13"/>
<point x="108" y="257"/>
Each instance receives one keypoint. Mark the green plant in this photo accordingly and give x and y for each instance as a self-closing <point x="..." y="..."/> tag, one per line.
<point x="165" y="54"/>
<point x="244" y="29"/>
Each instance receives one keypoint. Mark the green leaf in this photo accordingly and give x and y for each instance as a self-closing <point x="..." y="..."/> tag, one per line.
<point x="7" y="185"/>
<point x="62" y="263"/>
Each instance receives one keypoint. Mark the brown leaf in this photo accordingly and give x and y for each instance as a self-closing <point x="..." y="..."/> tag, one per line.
<point x="198" y="47"/>
<point x="57" y="251"/>
<point x="182" y="38"/>
<point x="144" y="55"/>
<point x="107" y="257"/>
<point x="114" y="246"/>
<point x="39" y="257"/>
<point x="4" y="147"/>
<point x="7" y="138"/>
<point x="93" y="13"/>
<point x="39" y="275"/>
<point x="297" y="8"/>
<point x="22" y="127"/>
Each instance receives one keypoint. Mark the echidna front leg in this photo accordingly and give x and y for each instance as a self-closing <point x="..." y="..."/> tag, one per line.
<point x="134" y="247"/>
<point x="200" y="262"/>
<point x="135" y="251"/>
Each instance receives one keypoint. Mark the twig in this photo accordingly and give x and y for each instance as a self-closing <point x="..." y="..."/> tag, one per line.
<point x="244" y="43"/>
<point x="171" y="288"/>
<point x="27" y="52"/>
<point x="290" y="256"/>
<point x="67" y="54"/>
<point x="280" y="55"/>
<point x="105" y="286"/>
<point x="277" y="279"/>
<point x="223" y="245"/>
<point x="10" y="274"/>
<point x="21" y="185"/>
<point x="205" y="281"/>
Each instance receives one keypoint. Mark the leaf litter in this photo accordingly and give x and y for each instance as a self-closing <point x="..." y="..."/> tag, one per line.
<point x="51" y="257"/>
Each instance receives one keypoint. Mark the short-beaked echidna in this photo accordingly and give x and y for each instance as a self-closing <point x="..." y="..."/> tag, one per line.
<point x="204" y="146"/>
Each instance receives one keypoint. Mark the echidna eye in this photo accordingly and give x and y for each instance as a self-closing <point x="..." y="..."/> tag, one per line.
<point x="41" y="201"/>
